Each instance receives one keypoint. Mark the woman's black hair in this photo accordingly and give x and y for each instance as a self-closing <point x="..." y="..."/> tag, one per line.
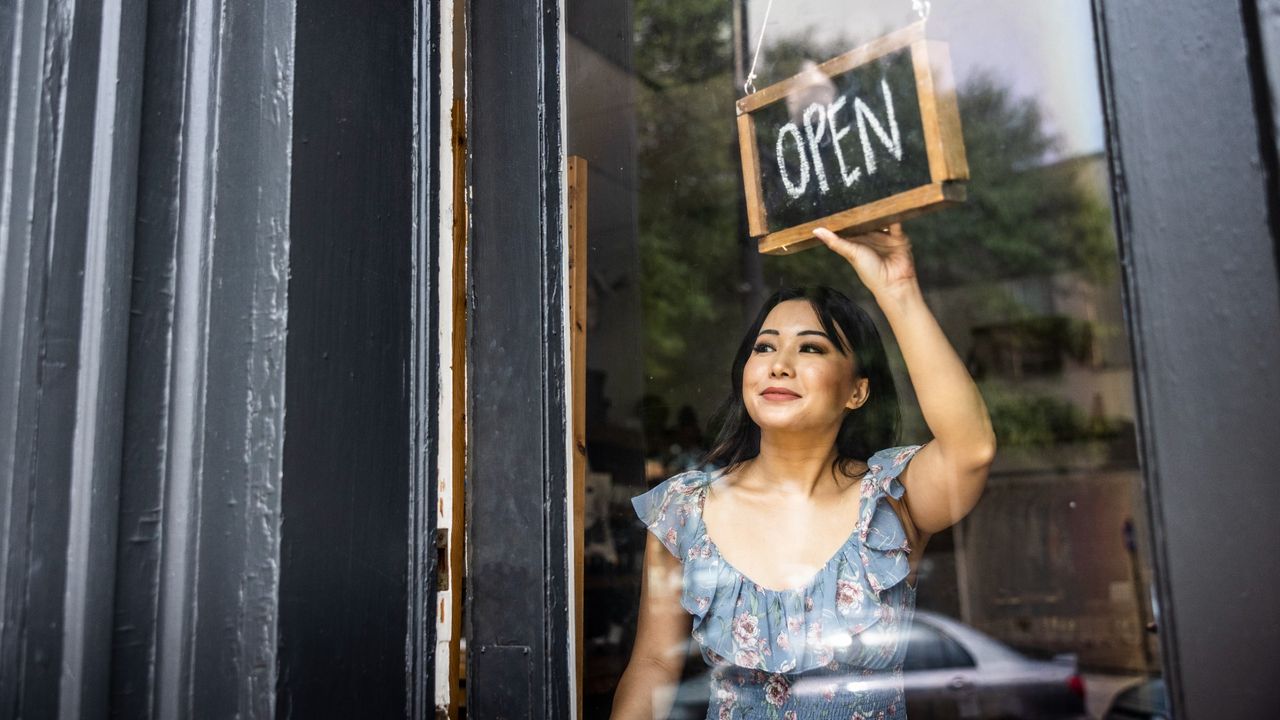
<point x="872" y="427"/>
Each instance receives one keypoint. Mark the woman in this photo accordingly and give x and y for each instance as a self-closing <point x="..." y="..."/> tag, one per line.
<point x="794" y="565"/>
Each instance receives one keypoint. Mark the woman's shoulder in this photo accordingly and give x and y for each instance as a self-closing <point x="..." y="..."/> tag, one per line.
<point x="885" y="466"/>
<point x="886" y="534"/>
<point x="682" y="485"/>
<point x="672" y="509"/>
<point x="681" y="488"/>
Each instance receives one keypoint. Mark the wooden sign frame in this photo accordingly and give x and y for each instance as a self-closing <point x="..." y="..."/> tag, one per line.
<point x="944" y="143"/>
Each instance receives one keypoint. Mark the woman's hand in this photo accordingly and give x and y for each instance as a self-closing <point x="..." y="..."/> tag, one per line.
<point x="881" y="258"/>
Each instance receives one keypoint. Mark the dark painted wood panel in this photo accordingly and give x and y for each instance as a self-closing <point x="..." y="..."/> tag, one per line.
<point x="67" y="182"/>
<point x="517" y="593"/>
<point x="236" y="555"/>
<point x="345" y="556"/>
<point x="195" y="602"/>
<point x="1192" y="199"/>
<point x="140" y="539"/>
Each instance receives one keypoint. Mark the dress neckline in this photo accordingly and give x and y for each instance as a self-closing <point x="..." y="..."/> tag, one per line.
<point x="808" y="584"/>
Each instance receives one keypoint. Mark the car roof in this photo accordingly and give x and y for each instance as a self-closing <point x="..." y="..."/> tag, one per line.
<point x="985" y="649"/>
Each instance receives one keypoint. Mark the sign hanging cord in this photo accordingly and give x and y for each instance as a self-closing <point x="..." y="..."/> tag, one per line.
<point x="921" y="7"/>
<point x="750" y="85"/>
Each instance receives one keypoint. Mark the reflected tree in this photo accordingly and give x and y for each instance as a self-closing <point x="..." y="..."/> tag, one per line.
<point x="1030" y="211"/>
<point x="689" y="188"/>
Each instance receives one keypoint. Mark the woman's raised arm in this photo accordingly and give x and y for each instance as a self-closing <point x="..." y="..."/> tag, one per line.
<point x="945" y="478"/>
<point x="647" y="688"/>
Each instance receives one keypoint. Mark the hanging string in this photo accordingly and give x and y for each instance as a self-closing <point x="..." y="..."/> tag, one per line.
<point x="922" y="9"/>
<point x="750" y="85"/>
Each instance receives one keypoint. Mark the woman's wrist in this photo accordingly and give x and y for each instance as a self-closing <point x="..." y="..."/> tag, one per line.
<point x="901" y="296"/>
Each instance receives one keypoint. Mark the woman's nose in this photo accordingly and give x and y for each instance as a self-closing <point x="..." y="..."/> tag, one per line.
<point x="781" y="365"/>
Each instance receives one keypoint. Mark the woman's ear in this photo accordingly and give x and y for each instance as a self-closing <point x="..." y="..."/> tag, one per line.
<point x="861" y="392"/>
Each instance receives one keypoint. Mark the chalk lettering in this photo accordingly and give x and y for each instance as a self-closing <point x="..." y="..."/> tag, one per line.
<point x="849" y="175"/>
<point x="793" y="189"/>
<point x="869" y="145"/>
<point x="815" y="136"/>
<point x="891" y="139"/>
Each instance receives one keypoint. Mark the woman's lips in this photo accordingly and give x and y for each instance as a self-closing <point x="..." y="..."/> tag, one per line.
<point x="777" y="394"/>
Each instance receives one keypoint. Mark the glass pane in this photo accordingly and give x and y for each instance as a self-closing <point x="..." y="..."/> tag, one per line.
<point x="1049" y="573"/>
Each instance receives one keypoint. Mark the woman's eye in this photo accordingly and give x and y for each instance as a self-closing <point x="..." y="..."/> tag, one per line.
<point x="762" y="347"/>
<point x="812" y="348"/>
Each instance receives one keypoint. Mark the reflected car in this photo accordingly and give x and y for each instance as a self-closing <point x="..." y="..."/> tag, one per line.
<point x="954" y="671"/>
<point x="1145" y="700"/>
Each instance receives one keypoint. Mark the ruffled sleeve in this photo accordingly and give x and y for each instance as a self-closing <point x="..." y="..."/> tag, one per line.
<point x="885" y="545"/>
<point x="671" y="510"/>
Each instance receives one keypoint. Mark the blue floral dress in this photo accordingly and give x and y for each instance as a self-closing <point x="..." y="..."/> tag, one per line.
<point x="830" y="649"/>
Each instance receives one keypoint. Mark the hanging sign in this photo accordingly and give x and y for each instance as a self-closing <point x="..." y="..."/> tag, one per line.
<point x="866" y="139"/>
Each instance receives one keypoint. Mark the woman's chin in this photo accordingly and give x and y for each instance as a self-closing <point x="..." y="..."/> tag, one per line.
<point x="790" y="431"/>
<point x="773" y="424"/>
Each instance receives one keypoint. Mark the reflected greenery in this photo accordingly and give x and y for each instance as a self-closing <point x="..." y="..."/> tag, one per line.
<point x="1030" y="213"/>
<point x="682" y="43"/>
<point x="1022" y="419"/>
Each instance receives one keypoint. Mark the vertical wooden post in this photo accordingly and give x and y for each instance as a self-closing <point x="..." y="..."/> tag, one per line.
<point x="457" y="558"/>
<point x="576" y="186"/>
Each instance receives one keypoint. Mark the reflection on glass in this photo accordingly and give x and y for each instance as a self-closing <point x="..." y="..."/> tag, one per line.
<point x="1050" y="571"/>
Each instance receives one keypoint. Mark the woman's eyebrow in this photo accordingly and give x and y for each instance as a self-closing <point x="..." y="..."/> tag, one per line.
<point x="819" y="333"/>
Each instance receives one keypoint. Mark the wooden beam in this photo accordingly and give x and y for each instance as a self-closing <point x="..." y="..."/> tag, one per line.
<point x="939" y="111"/>
<point x="576" y="188"/>
<point x="879" y="214"/>
<point x="457" y="546"/>
<point x="756" y="221"/>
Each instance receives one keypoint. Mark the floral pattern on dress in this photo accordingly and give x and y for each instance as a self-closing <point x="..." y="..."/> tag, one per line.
<point x="829" y="649"/>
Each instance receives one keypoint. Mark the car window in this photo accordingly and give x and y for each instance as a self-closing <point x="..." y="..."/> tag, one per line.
<point x="954" y="654"/>
<point x="929" y="649"/>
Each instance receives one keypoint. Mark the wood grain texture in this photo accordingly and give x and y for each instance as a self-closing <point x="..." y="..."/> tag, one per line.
<point x="881" y="213"/>
<point x="940" y="111"/>
<point x="576" y="189"/>
<point x="457" y="546"/>
<point x="841" y="63"/>
<point x="756" y="221"/>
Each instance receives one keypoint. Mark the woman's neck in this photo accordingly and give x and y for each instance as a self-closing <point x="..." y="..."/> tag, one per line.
<point x="792" y="464"/>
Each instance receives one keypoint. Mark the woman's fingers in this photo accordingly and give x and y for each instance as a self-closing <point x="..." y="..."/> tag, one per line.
<point x="826" y="235"/>
<point x="850" y="247"/>
<point x="859" y="256"/>
<point x="882" y="241"/>
<point x="886" y="239"/>
<point x="837" y="244"/>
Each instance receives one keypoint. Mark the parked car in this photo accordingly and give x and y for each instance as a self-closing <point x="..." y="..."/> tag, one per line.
<point x="953" y="671"/>
<point x="1145" y="700"/>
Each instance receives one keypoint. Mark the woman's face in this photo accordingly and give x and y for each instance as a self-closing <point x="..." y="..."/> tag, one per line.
<point x="795" y="378"/>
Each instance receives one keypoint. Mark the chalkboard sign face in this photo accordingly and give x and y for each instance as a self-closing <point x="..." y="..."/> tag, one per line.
<point x="859" y="140"/>
<point x="866" y="139"/>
